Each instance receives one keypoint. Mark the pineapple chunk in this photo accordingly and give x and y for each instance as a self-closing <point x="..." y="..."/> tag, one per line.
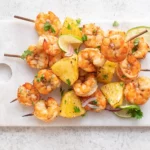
<point x="113" y="93"/>
<point x="70" y="26"/>
<point x="105" y="74"/>
<point x="71" y="105"/>
<point x="67" y="69"/>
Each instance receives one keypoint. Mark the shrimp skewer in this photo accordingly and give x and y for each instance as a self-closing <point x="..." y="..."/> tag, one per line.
<point x="34" y="56"/>
<point x="45" y="110"/>
<point x="45" y="23"/>
<point x="27" y="95"/>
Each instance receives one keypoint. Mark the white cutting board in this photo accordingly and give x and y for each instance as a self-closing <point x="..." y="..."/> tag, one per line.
<point x="15" y="36"/>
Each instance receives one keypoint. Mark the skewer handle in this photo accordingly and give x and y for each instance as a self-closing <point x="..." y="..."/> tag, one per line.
<point x="135" y="36"/>
<point x="23" y="18"/>
<point x="145" y="69"/>
<point x="12" y="55"/>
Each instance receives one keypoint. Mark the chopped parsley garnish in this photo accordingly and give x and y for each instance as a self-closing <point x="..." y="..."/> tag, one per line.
<point x="80" y="28"/>
<point x="123" y="76"/>
<point x="48" y="26"/>
<point x="115" y="24"/>
<point x="99" y="47"/>
<point x="68" y="82"/>
<point x="83" y="115"/>
<point x="76" y="51"/>
<point x="65" y="101"/>
<point x="136" y="43"/>
<point x="62" y="91"/>
<point x="40" y="78"/>
<point x="94" y="31"/>
<point x="26" y="53"/>
<point x="76" y="109"/>
<point x="84" y="38"/>
<point x="69" y="27"/>
<point x="78" y="21"/>
<point x="105" y="76"/>
<point x="121" y="84"/>
<point x="94" y="102"/>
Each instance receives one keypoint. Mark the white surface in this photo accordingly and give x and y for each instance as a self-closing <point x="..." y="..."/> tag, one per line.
<point x="76" y="138"/>
<point x="22" y="73"/>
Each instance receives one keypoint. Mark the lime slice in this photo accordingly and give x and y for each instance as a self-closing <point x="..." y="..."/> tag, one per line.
<point x="133" y="31"/>
<point x="123" y="113"/>
<point x="67" y="42"/>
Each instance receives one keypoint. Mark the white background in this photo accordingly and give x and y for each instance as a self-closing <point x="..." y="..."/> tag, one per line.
<point x="76" y="138"/>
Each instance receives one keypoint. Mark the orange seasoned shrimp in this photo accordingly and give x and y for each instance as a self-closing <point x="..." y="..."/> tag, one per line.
<point x="37" y="58"/>
<point x="138" y="91"/>
<point x="47" y="24"/>
<point x="27" y="94"/>
<point x="138" y="48"/>
<point x="85" y="86"/>
<point x="114" y="47"/>
<point x="46" y="110"/>
<point x="46" y="81"/>
<point x="130" y="67"/>
<point x="49" y="44"/>
<point x="96" y="102"/>
<point x="94" y="35"/>
<point x="122" y="77"/>
<point x="89" y="59"/>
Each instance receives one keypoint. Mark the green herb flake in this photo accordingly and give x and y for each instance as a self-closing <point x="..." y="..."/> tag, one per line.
<point x="78" y="21"/>
<point x="76" y="51"/>
<point x="80" y="28"/>
<point x="136" y="42"/>
<point x="62" y="91"/>
<point x="76" y="109"/>
<point x="69" y="27"/>
<point x="65" y="101"/>
<point x="123" y="76"/>
<point x="26" y="53"/>
<point x="94" y="102"/>
<point x="99" y="47"/>
<point x="83" y="115"/>
<point x="115" y="24"/>
<point x="84" y="38"/>
<point x="48" y="26"/>
<point x="105" y="76"/>
<point x="94" y="31"/>
<point x="68" y="82"/>
<point x="40" y="78"/>
<point x="135" y="111"/>
<point x="121" y="84"/>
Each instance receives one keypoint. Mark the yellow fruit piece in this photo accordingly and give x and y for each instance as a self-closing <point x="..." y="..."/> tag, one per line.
<point x="71" y="106"/>
<point x="71" y="27"/>
<point x="105" y="74"/>
<point x="113" y="93"/>
<point x="67" y="69"/>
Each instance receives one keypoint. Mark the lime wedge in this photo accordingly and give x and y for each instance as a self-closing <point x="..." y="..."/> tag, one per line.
<point x="136" y="30"/>
<point x="67" y="42"/>
<point x="123" y="113"/>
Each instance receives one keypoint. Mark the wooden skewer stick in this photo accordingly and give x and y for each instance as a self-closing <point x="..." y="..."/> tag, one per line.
<point x="13" y="100"/>
<point x="12" y="55"/>
<point x="145" y="69"/>
<point x="23" y="18"/>
<point x="27" y="115"/>
<point x="135" y="36"/>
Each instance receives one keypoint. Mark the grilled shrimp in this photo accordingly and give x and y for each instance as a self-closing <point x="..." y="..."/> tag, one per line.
<point x="54" y="59"/>
<point x="97" y="101"/>
<point x="130" y="66"/>
<point x="114" y="47"/>
<point x="47" y="24"/>
<point x="89" y="59"/>
<point x="138" y="48"/>
<point x="94" y="35"/>
<point x="46" y="81"/>
<point x="138" y="91"/>
<point x="122" y="77"/>
<point x="27" y="94"/>
<point x="85" y="86"/>
<point x="46" y="110"/>
<point x="37" y="58"/>
<point x="49" y="44"/>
